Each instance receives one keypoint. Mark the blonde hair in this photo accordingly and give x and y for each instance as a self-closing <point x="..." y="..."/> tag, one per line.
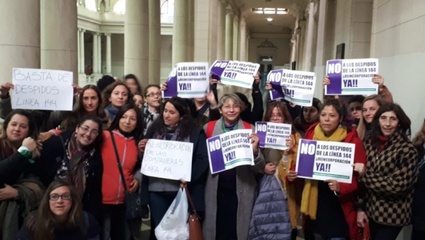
<point x="361" y="128"/>
<point x="234" y="97"/>
<point x="419" y="139"/>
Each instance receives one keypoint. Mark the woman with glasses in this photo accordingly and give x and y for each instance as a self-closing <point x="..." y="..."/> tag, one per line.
<point x="276" y="210"/>
<point x="125" y="131"/>
<point x="60" y="216"/>
<point x="151" y="107"/>
<point x="74" y="157"/>
<point x="230" y="195"/>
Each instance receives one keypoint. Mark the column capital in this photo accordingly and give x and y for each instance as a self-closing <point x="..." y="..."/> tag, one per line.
<point x="236" y="18"/>
<point x="108" y="34"/>
<point x="82" y="30"/>
<point x="229" y="10"/>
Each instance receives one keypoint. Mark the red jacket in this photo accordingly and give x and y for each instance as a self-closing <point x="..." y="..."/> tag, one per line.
<point x="112" y="187"/>
<point x="348" y="192"/>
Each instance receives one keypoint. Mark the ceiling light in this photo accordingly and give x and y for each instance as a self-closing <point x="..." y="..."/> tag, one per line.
<point x="269" y="19"/>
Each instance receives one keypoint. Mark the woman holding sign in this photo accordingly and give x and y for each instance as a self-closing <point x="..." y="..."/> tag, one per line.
<point x="390" y="176"/>
<point x="175" y="123"/>
<point x="230" y="194"/>
<point x="329" y="205"/>
<point x="271" y="197"/>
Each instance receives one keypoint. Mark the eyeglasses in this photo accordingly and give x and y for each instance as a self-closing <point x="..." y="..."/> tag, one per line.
<point x="93" y="132"/>
<point x="228" y="107"/>
<point x="55" y="197"/>
<point x="157" y="94"/>
<point x="357" y="108"/>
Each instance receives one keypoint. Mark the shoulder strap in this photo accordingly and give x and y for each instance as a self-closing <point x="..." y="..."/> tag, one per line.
<point x="118" y="161"/>
<point x="247" y="125"/>
<point x="210" y="128"/>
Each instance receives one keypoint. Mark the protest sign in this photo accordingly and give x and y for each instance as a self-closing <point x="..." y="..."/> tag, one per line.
<point x="352" y="76"/>
<point x="273" y="135"/>
<point x="294" y="86"/>
<point x="42" y="89"/>
<point x="229" y="150"/>
<point x="235" y="73"/>
<point x="168" y="159"/>
<point x="188" y="80"/>
<point x="324" y="160"/>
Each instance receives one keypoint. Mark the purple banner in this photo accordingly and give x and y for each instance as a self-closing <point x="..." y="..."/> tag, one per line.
<point x="171" y="85"/>
<point x="218" y="67"/>
<point x="215" y="154"/>
<point x="261" y="128"/>
<point x="275" y="77"/>
<point x="334" y="72"/>
<point x="306" y="158"/>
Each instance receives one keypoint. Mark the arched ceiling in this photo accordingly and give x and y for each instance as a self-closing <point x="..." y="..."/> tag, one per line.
<point x="257" y="23"/>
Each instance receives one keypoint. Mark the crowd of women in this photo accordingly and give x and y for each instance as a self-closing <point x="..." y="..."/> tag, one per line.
<point x="64" y="175"/>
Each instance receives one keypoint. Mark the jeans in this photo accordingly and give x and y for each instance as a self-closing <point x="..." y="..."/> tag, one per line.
<point x="380" y="231"/>
<point x="114" y="222"/>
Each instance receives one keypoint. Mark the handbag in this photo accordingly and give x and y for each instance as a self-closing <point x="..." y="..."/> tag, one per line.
<point x="364" y="233"/>
<point x="132" y="200"/>
<point x="173" y="225"/>
<point x="194" y="221"/>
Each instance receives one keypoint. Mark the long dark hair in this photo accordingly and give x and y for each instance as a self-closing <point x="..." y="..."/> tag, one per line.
<point x="403" y="122"/>
<point x="341" y="109"/>
<point x="136" y="80"/>
<point x="97" y="143"/>
<point x="185" y="125"/>
<point x="32" y="126"/>
<point x="79" y="108"/>
<point x="137" y="132"/>
<point x="41" y="225"/>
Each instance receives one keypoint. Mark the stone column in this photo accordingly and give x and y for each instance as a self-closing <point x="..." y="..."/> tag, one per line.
<point x="242" y="39"/>
<point x="99" y="53"/>
<point x="235" y="38"/>
<point x="95" y="62"/>
<point x="320" y="47"/>
<point x="59" y="35"/>
<point x="221" y="26"/>
<point x="82" y="52"/>
<point x="190" y="29"/>
<point x="309" y="38"/>
<point x="20" y="49"/>
<point x="154" y="42"/>
<point x="180" y="32"/>
<point x="136" y="39"/>
<point x="108" y="54"/>
<point x="228" y="37"/>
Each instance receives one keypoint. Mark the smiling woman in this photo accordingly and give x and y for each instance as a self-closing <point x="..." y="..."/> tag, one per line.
<point x="74" y="156"/>
<point x="63" y="217"/>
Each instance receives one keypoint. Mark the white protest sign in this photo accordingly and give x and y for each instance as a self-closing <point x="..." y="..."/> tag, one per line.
<point x="230" y="150"/>
<point x="42" y="89"/>
<point x="235" y="73"/>
<point x="273" y="135"/>
<point x="188" y="80"/>
<point x="324" y="160"/>
<point x="168" y="159"/>
<point x="352" y="76"/>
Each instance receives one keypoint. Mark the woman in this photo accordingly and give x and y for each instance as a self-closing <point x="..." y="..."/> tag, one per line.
<point x="126" y="129"/>
<point x="132" y="83"/>
<point x="390" y="174"/>
<point x="175" y="123"/>
<point x="115" y="96"/>
<point x="418" y="208"/>
<point x="278" y="165"/>
<point x="74" y="156"/>
<point x="329" y="205"/>
<point x="20" y="192"/>
<point x="371" y="104"/>
<point x="308" y="116"/>
<point x="230" y="194"/>
<point x="60" y="216"/>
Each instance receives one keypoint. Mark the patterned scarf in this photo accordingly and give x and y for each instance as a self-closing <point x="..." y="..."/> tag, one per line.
<point x="75" y="164"/>
<point x="169" y="133"/>
<point x="311" y="191"/>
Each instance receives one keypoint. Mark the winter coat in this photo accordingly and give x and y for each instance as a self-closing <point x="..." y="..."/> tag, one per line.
<point x="270" y="215"/>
